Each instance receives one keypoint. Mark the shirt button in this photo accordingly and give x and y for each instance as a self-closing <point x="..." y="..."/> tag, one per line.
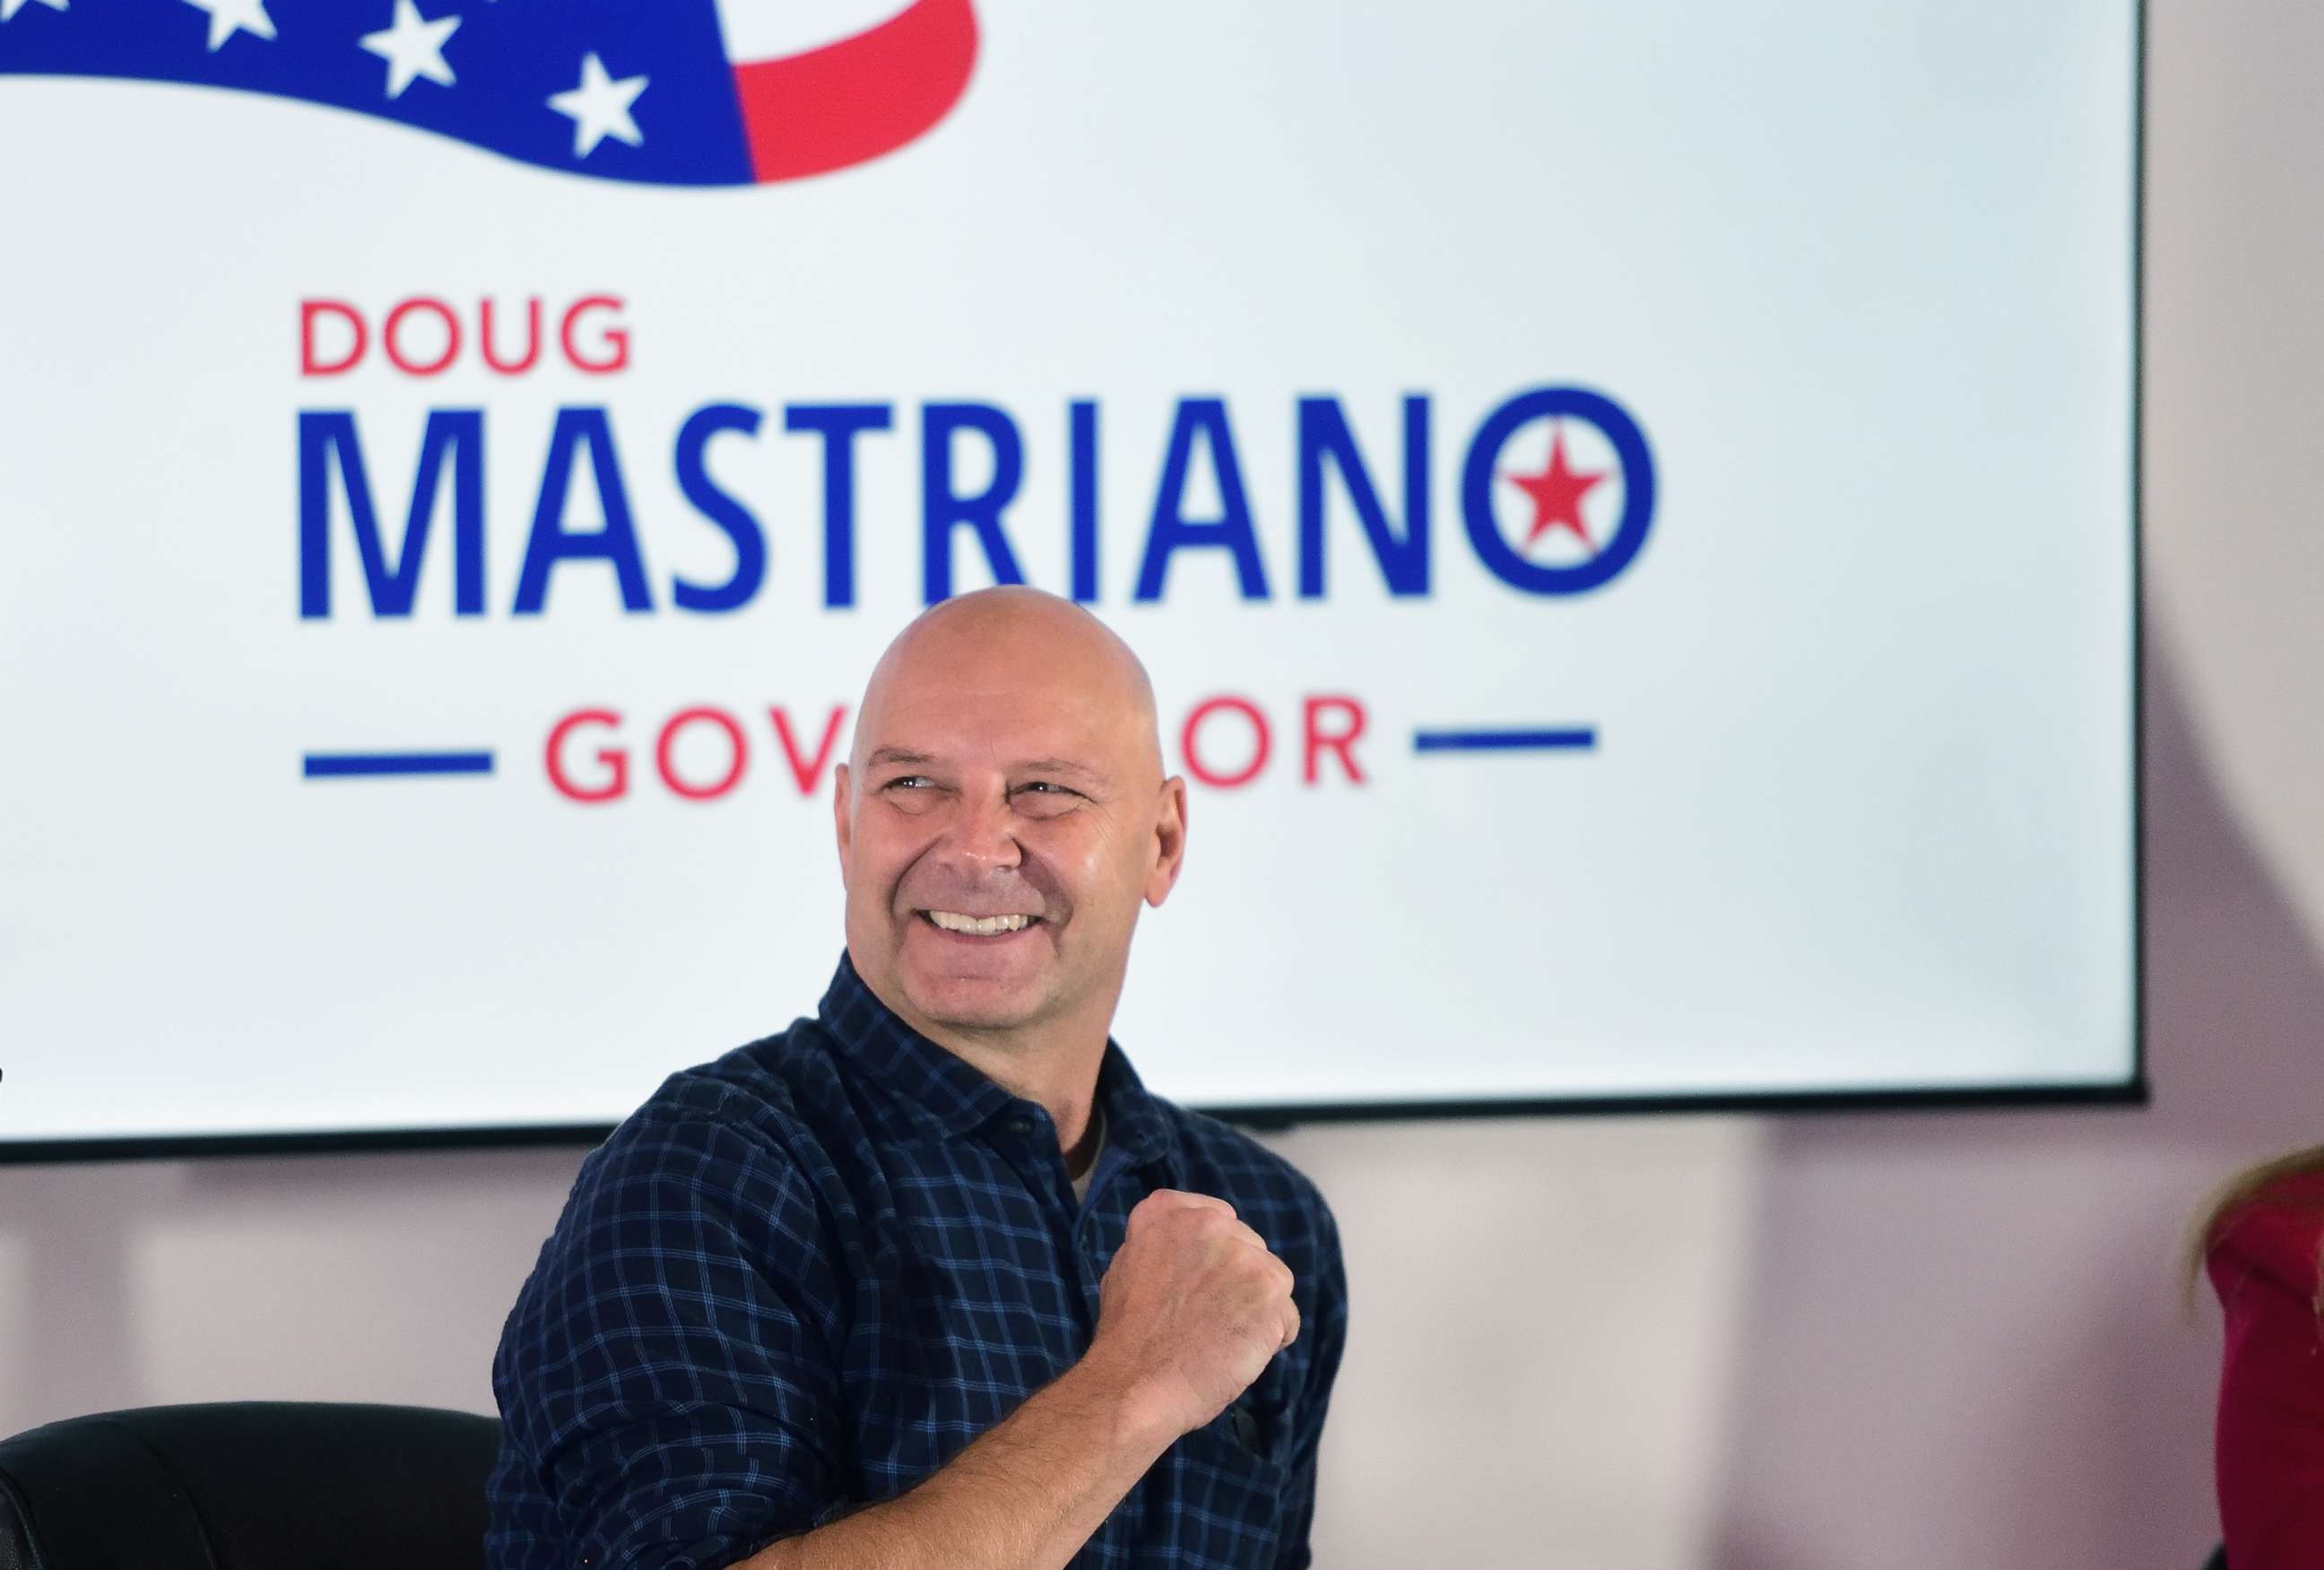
<point x="1020" y="1125"/>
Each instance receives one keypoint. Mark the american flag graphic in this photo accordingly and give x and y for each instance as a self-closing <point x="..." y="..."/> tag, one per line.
<point x="658" y="91"/>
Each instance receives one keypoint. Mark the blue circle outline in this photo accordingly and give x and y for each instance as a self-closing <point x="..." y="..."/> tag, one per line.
<point x="1629" y="444"/>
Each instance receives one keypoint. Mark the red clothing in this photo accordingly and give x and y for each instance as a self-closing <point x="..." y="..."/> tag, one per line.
<point x="2265" y="1265"/>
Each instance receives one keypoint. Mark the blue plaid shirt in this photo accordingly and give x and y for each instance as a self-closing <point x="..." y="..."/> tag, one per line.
<point x="802" y="1278"/>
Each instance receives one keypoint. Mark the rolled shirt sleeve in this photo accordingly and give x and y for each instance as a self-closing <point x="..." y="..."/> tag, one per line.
<point x="666" y="1382"/>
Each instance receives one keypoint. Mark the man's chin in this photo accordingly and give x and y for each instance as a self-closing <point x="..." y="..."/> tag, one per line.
<point x="982" y="1006"/>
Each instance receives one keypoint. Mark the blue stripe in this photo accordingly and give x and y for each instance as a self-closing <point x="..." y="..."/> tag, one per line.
<point x="1578" y="738"/>
<point x="330" y="765"/>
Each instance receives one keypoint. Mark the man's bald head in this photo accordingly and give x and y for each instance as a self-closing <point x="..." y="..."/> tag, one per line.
<point x="1013" y="635"/>
<point x="1002" y="817"/>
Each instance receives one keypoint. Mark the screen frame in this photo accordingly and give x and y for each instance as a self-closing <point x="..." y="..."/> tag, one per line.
<point x="2131" y="1093"/>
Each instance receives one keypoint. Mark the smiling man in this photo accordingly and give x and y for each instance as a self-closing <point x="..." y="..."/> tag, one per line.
<point x="930" y="1278"/>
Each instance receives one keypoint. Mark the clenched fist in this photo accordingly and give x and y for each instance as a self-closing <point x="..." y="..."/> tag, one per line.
<point x="1191" y="1308"/>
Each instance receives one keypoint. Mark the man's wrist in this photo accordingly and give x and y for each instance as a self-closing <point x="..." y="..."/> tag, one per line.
<point x="1136" y="1404"/>
<point x="1031" y="1490"/>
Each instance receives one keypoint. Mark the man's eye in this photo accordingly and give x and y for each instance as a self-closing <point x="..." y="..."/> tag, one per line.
<point x="902" y="782"/>
<point x="1045" y="798"/>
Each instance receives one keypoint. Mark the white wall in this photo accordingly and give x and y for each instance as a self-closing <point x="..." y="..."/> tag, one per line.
<point x="1816" y="1344"/>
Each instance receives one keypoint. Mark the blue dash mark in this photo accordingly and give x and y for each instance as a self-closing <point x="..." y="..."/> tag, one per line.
<point x="1572" y="738"/>
<point x="354" y="765"/>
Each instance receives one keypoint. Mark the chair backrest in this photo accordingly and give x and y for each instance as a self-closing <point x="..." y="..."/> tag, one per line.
<point x="249" y="1485"/>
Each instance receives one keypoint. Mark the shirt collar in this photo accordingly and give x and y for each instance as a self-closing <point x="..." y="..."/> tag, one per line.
<point x="958" y="1094"/>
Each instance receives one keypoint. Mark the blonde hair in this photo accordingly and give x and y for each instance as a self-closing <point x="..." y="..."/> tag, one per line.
<point x="2240" y="1190"/>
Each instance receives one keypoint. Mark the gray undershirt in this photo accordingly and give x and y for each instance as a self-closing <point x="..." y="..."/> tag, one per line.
<point x="1081" y="1183"/>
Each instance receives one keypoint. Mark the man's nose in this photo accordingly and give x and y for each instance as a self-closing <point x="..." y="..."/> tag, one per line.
<point x="982" y="837"/>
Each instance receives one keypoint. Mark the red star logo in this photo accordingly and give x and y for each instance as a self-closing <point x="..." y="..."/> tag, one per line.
<point x="1556" y="492"/>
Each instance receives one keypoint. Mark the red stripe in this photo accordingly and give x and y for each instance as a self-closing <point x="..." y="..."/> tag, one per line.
<point x="846" y="101"/>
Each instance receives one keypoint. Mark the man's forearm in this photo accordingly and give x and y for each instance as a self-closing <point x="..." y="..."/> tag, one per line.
<point x="1025" y="1495"/>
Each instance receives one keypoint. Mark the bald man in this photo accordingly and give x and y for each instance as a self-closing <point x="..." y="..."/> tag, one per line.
<point x="930" y="1279"/>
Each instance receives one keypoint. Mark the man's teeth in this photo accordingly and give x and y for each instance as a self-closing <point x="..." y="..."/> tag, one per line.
<point x="980" y="925"/>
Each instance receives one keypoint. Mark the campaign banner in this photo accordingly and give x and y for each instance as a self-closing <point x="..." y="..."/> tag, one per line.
<point x="1629" y="511"/>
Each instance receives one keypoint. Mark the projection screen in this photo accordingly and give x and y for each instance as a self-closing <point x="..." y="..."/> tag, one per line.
<point x="1630" y="510"/>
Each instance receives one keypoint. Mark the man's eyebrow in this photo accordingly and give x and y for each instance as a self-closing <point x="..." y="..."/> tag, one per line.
<point x="908" y="758"/>
<point x="1060" y="766"/>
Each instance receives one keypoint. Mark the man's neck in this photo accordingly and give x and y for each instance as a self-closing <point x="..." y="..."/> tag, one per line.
<point x="1056" y="1066"/>
<point x="1062" y="1077"/>
<point x="1082" y="1152"/>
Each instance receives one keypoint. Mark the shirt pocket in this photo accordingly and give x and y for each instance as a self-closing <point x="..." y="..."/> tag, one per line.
<point x="1227" y="1480"/>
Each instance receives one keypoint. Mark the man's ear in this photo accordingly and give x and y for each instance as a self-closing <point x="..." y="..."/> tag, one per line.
<point x="1169" y="840"/>
<point x="841" y="823"/>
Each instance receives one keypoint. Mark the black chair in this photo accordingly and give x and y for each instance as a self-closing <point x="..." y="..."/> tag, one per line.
<point x="249" y="1485"/>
